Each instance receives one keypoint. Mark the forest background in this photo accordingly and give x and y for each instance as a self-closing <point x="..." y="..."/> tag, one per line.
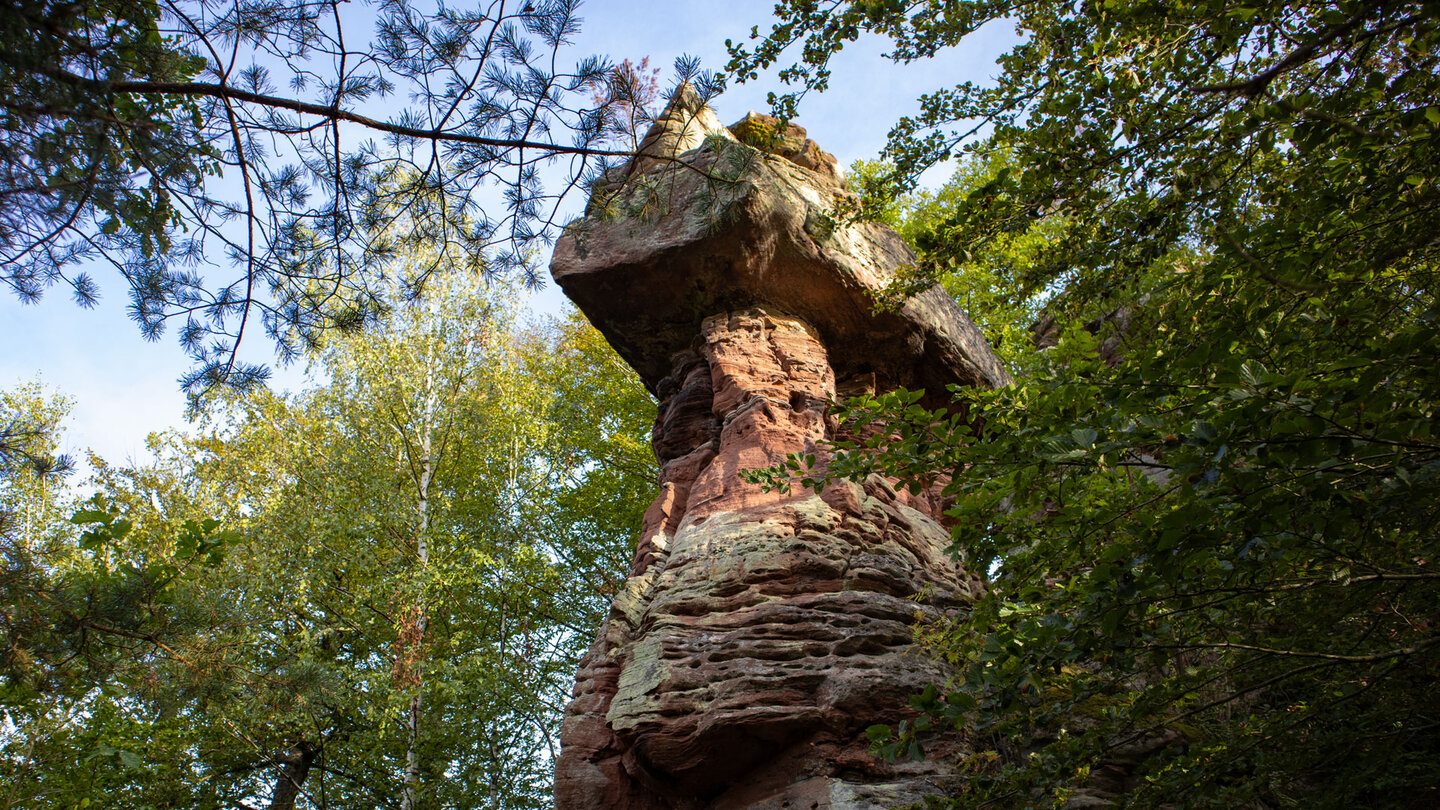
<point x="1208" y="506"/>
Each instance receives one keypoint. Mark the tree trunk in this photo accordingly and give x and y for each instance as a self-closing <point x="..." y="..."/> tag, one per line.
<point x="294" y="767"/>
<point x="422" y="559"/>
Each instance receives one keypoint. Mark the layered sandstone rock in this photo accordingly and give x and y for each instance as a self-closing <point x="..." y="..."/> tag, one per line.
<point x="723" y="226"/>
<point x="758" y="634"/>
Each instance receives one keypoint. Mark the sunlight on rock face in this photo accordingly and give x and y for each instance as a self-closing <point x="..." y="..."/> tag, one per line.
<point x="759" y="633"/>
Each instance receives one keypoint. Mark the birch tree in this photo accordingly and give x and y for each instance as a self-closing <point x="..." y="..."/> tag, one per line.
<point x="373" y="592"/>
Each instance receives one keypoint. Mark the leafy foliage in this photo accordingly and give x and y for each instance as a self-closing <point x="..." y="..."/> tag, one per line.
<point x="100" y="642"/>
<point x="989" y="285"/>
<point x="1214" y="549"/>
<point x="371" y="593"/>
<point x="30" y="461"/>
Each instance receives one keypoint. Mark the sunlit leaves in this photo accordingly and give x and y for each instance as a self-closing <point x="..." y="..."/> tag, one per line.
<point x="289" y="575"/>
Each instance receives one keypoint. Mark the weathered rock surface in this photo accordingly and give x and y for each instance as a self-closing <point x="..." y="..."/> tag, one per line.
<point x="758" y="634"/>
<point x="723" y="227"/>
<point x="765" y="133"/>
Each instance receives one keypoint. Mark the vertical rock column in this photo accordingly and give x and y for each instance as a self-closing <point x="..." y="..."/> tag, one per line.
<point x="758" y="634"/>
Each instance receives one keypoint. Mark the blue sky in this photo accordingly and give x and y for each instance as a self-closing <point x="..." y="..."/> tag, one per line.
<point x="125" y="388"/>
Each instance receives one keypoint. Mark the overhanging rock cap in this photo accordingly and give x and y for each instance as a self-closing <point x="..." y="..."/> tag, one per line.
<point x="699" y="223"/>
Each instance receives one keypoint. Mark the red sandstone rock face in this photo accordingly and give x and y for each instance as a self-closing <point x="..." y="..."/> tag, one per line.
<point x="759" y="634"/>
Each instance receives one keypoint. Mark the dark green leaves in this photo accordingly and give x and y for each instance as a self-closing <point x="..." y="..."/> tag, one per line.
<point x="107" y="527"/>
<point x="201" y="540"/>
<point x="1210" y="502"/>
<point x="194" y="541"/>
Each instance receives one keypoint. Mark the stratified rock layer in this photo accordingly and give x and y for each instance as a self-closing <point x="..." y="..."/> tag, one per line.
<point x="759" y="633"/>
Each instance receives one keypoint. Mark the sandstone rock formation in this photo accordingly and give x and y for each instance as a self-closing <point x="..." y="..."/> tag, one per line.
<point x="758" y="634"/>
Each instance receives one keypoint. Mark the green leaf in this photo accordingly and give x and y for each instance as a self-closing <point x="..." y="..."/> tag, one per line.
<point x="1203" y="431"/>
<point x="961" y="700"/>
<point x="93" y="540"/>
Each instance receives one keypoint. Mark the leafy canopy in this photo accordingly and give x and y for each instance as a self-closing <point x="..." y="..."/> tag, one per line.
<point x="372" y="592"/>
<point x="1214" y="549"/>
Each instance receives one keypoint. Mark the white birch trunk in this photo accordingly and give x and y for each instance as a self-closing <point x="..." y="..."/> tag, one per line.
<point x="422" y="560"/>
